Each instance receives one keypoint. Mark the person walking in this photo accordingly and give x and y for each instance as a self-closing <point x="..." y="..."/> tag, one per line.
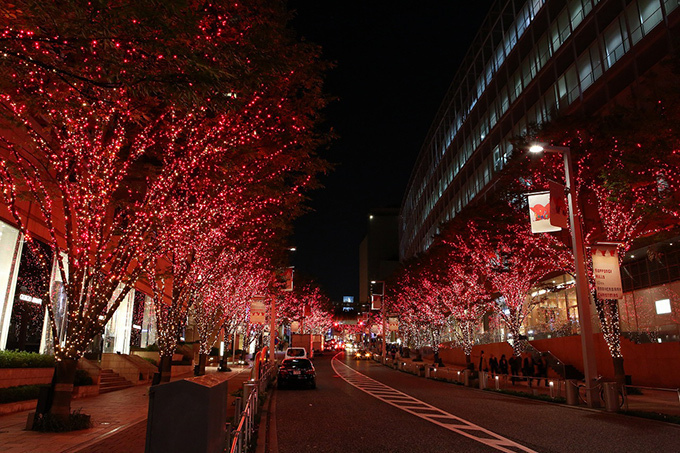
<point x="503" y="365"/>
<point x="493" y="365"/>
<point x="515" y="365"/>
<point x="528" y="369"/>
<point x="483" y="364"/>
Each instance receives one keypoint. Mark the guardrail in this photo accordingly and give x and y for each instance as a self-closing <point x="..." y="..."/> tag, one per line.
<point x="252" y="390"/>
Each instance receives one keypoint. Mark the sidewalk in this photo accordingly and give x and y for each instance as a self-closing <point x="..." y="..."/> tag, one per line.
<point x="656" y="401"/>
<point x="118" y="419"/>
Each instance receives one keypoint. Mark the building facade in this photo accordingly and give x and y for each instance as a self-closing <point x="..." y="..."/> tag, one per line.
<point x="531" y="59"/>
<point x="378" y="252"/>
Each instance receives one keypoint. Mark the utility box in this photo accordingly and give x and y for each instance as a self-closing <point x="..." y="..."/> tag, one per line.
<point x="188" y="415"/>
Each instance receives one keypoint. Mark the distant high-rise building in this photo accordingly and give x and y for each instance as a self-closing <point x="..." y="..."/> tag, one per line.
<point x="378" y="252"/>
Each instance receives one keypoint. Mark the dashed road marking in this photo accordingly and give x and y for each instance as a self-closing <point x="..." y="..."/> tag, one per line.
<point x="425" y="411"/>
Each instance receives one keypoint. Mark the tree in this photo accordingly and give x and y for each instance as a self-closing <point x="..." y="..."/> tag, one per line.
<point x="510" y="260"/>
<point x="102" y="105"/>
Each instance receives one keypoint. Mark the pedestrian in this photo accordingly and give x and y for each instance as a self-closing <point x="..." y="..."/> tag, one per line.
<point x="515" y="364"/>
<point x="528" y="369"/>
<point x="493" y="365"/>
<point x="503" y="365"/>
<point x="542" y="369"/>
<point x="483" y="364"/>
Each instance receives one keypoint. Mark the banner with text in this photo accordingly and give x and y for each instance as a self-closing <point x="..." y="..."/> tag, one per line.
<point x="539" y="213"/>
<point x="258" y="310"/>
<point x="606" y="271"/>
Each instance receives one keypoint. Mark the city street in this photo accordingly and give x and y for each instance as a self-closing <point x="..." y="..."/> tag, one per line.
<point x="349" y="412"/>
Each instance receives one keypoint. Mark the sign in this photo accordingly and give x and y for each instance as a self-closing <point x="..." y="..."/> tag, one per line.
<point x="539" y="213"/>
<point x="376" y="302"/>
<point x="559" y="216"/>
<point x="288" y="279"/>
<point x="375" y="329"/>
<point x="295" y="326"/>
<point x="606" y="271"/>
<point x="393" y="324"/>
<point x="258" y="310"/>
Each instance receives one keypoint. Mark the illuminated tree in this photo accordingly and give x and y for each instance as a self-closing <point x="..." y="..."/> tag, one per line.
<point x="109" y="112"/>
<point x="510" y="260"/>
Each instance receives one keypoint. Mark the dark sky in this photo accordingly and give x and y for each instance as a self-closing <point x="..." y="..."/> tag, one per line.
<point x="394" y="63"/>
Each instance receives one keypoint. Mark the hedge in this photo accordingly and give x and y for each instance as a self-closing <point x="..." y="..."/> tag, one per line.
<point x="22" y="359"/>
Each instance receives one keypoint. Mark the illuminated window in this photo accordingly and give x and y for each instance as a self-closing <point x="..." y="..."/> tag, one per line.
<point x="663" y="306"/>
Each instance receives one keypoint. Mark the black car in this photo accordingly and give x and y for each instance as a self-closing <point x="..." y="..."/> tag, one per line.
<point x="296" y="370"/>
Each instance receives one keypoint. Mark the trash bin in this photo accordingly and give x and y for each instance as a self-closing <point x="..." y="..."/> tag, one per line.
<point x="571" y="389"/>
<point x="611" y="397"/>
<point x="188" y="415"/>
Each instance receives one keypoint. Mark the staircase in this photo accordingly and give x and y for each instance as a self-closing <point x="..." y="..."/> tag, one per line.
<point x="565" y="371"/>
<point x="110" y="381"/>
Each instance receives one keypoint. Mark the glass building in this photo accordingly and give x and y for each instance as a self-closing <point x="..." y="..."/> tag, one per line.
<point x="531" y="58"/>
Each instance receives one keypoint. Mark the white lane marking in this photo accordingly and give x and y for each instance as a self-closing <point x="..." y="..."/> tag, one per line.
<point x="434" y="415"/>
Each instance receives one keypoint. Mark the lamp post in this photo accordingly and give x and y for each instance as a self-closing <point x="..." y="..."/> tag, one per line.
<point x="582" y="293"/>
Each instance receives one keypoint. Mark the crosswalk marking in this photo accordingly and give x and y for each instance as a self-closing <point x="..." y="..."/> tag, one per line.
<point x="424" y="410"/>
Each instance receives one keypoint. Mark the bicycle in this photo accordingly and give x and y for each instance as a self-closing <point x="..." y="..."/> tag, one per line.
<point x="599" y="381"/>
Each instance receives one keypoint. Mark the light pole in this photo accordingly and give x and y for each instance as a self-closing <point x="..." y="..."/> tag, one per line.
<point x="582" y="293"/>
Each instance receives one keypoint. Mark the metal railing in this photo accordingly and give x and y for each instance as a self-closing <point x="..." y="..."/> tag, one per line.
<point x="252" y="390"/>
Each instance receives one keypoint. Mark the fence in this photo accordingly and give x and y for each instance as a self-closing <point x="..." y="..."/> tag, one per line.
<point x="252" y="391"/>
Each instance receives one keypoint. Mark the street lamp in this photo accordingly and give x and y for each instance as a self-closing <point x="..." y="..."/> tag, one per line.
<point x="582" y="293"/>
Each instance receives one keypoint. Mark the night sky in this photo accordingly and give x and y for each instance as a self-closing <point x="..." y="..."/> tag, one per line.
<point x="394" y="61"/>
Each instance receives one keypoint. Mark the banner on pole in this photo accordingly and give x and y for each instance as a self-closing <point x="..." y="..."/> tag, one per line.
<point x="393" y="324"/>
<point x="294" y="326"/>
<point x="559" y="216"/>
<point x="376" y="302"/>
<point x="539" y="213"/>
<point x="606" y="271"/>
<point x="258" y="310"/>
<point x="288" y="279"/>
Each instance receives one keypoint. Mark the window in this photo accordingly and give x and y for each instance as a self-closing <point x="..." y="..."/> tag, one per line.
<point x="650" y="14"/>
<point x="615" y="42"/>
<point x="663" y="306"/>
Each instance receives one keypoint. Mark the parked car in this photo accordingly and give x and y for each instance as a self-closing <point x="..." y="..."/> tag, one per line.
<point x="296" y="371"/>
<point x="295" y="353"/>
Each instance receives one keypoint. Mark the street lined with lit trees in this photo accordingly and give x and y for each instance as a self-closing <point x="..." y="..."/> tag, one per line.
<point x="150" y="151"/>
<point x="362" y="406"/>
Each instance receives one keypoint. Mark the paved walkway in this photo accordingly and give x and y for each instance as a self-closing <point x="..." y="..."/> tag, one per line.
<point x="650" y="400"/>
<point x="118" y="418"/>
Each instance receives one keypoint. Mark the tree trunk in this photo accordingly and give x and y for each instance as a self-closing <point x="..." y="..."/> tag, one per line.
<point x="468" y="359"/>
<point x="165" y="368"/>
<point x="62" y="388"/>
<point x="202" y="360"/>
<point x="619" y="372"/>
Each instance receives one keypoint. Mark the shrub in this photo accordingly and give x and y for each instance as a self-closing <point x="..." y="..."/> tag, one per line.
<point x="50" y="424"/>
<point x="22" y="359"/>
<point x="19" y="393"/>
<point x="151" y="361"/>
<point x="152" y="347"/>
<point x="82" y="378"/>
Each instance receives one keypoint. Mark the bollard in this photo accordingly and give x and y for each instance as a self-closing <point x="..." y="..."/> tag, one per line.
<point x="428" y="372"/>
<point x="611" y="397"/>
<point x="552" y="389"/>
<point x="498" y="382"/>
<point x="466" y="378"/>
<point x="571" y="389"/>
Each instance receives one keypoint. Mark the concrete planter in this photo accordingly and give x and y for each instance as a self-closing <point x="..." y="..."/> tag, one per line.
<point x="12" y="377"/>
<point x="83" y="391"/>
<point x="17" y="406"/>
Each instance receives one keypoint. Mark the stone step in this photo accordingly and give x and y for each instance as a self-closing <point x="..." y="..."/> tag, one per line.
<point x="110" y="381"/>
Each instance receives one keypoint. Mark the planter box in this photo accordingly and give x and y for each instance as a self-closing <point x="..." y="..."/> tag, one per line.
<point x="17" y="406"/>
<point x="12" y="377"/>
<point x="83" y="391"/>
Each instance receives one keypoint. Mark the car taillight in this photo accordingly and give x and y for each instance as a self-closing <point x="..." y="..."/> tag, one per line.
<point x="309" y="371"/>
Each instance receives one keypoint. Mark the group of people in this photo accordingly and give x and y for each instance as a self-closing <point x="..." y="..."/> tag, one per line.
<point x="530" y="368"/>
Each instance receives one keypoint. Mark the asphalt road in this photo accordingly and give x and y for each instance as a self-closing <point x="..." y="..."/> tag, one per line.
<point x="382" y="410"/>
